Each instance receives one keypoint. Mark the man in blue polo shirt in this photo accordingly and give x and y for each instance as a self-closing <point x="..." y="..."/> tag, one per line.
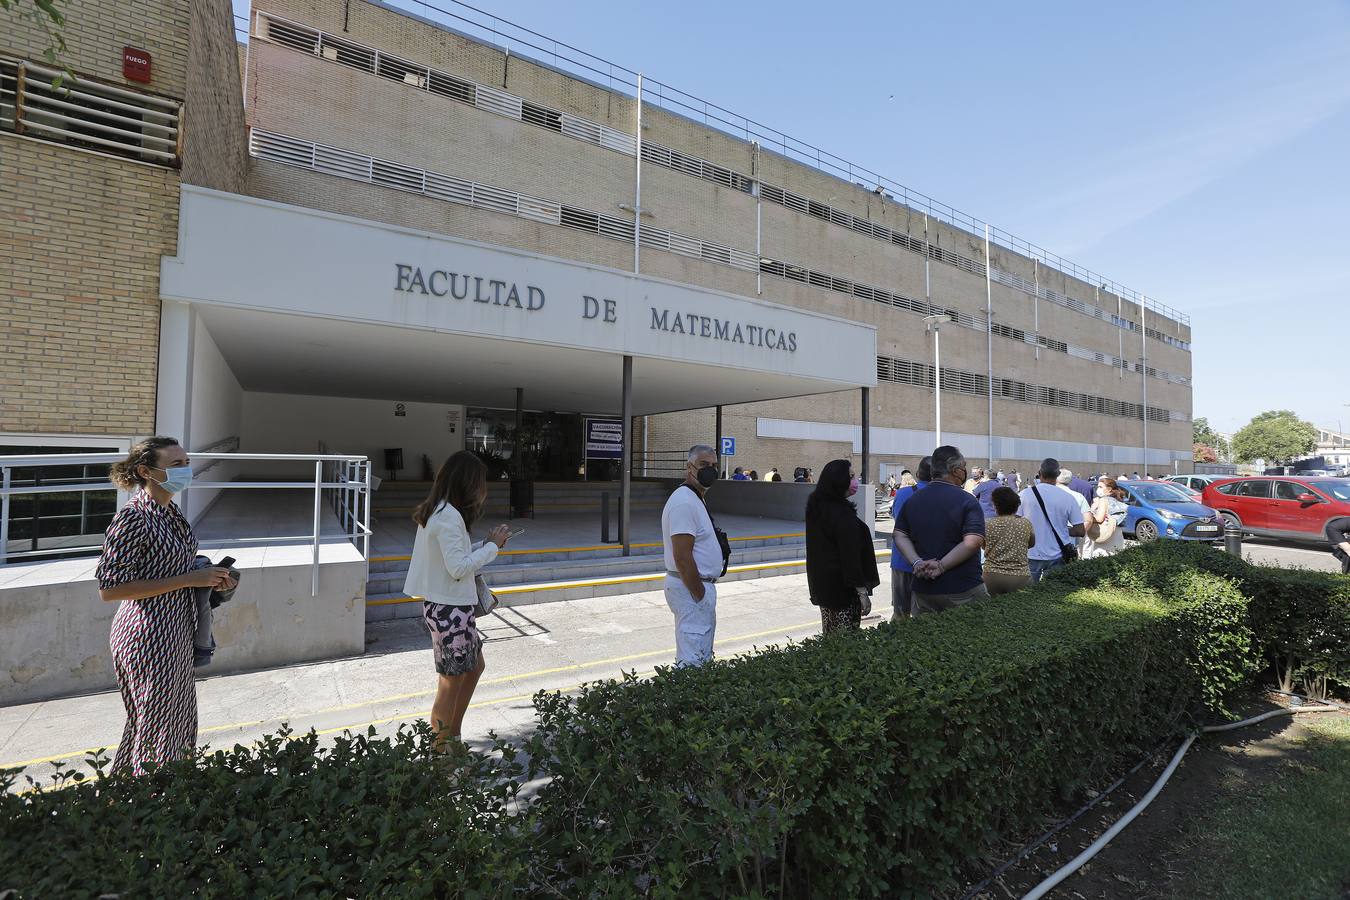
<point x="902" y="573"/>
<point x="940" y="532"/>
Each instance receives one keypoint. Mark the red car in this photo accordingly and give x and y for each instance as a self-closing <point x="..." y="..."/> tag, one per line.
<point x="1281" y="506"/>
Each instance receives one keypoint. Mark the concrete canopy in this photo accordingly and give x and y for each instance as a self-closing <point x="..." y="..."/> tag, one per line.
<point x="279" y="353"/>
<point x="304" y="301"/>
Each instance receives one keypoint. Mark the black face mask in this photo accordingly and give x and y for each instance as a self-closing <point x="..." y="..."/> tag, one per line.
<point x="707" y="476"/>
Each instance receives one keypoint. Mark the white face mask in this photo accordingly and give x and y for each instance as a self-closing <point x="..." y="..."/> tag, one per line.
<point x="1101" y="491"/>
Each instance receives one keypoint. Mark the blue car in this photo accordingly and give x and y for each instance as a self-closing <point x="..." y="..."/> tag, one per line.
<point x="1159" y="509"/>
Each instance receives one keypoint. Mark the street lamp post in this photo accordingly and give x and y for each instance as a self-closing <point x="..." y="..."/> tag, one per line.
<point x="934" y="324"/>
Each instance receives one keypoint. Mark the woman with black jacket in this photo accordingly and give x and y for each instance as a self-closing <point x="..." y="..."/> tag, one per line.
<point x="841" y="561"/>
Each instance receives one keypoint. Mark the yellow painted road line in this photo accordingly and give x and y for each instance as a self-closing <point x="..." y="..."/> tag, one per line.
<point x="73" y="754"/>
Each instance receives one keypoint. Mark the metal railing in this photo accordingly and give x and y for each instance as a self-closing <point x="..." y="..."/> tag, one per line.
<point x="350" y="490"/>
<point x="512" y="38"/>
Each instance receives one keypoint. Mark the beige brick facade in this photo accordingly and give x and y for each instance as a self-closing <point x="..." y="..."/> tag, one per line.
<point x="82" y="233"/>
<point x="80" y="299"/>
<point x="307" y="97"/>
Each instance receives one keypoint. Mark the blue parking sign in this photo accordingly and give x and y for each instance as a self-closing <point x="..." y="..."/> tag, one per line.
<point x="728" y="446"/>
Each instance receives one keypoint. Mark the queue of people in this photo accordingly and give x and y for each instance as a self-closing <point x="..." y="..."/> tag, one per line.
<point x="960" y="534"/>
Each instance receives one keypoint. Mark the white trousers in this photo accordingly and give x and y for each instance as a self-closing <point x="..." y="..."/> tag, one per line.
<point x="695" y="622"/>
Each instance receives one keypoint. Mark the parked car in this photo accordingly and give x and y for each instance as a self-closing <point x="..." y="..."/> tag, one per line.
<point x="1195" y="482"/>
<point x="1162" y="509"/>
<point x="1313" y="473"/>
<point x="1288" y="507"/>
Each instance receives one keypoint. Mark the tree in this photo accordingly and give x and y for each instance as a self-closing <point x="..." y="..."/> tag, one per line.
<point x="47" y="15"/>
<point x="1204" y="454"/>
<point x="1276" y="436"/>
<point x="1203" y="434"/>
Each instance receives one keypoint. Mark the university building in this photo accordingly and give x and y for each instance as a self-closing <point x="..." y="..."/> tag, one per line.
<point x="368" y="231"/>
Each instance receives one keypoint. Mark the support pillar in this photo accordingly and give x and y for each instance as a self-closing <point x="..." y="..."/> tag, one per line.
<point x="866" y="436"/>
<point x="626" y="477"/>
<point x="717" y="442"/>
<point x="520" y="424"/>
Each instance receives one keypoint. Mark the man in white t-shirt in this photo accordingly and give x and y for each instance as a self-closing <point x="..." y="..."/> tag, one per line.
<point x="1063" y="525"/>
<point x="1065" y="482"/>
<point x="693" y="559"/>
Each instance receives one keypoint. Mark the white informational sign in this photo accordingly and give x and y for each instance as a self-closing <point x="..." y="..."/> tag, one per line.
<point x="604" y="439"/>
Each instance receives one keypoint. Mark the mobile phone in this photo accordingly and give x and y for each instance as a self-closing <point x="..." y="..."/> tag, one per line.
<point x="511" y="534"/>
<point x="225" y="563"/>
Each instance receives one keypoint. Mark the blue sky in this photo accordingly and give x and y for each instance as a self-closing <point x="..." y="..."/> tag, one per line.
<point x="1196" y="152"/>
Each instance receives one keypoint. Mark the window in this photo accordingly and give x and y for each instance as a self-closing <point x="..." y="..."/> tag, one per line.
<point x="1254" y="487"/>
<point x="40" y="525"/>
<point x="1288" y="490"/>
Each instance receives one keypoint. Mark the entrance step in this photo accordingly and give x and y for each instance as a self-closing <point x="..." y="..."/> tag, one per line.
<point x="399" y="498"/>
<point x="387" y="573"/>
<point x="550" y="582"/>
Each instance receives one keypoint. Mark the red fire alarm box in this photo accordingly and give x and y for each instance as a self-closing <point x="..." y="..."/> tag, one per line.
<point x="135" y="65"/>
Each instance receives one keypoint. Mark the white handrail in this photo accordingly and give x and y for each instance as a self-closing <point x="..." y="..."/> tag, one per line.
<point x="350" y="480"/>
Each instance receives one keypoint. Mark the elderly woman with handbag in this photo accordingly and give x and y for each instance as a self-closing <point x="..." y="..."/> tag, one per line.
<point x="443" y="572"/>
<point x="1105" y="520"/>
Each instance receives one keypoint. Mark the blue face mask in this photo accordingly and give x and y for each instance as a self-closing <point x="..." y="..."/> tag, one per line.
<point x="178" y="478"/>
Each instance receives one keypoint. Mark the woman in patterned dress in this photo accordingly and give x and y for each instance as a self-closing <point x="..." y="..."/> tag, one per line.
<point x="444" y="563"/>
<point x="148" y="553"/>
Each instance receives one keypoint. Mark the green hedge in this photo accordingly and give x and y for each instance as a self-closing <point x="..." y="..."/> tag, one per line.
<point x="1300" y="618"/>
<point x="288" y="818"/>
<point x="867" y="764"/>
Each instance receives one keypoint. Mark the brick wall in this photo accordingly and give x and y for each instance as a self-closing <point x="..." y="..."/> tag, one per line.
<point x="82" y="235"/>
<point x="97" y="30"/>
<point x="301" y="95"/>
<point x="215" y="140"/>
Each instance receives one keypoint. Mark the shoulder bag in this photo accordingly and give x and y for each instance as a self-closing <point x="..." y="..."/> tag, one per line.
<point x="723" y="542"/>
<point x="1067" y="551"/>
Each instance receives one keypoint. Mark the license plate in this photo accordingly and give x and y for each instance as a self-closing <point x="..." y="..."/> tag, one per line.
<point x="1207" y="528"/>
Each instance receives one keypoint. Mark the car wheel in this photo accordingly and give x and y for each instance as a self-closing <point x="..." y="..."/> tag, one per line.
<point x="1145" y="532"/>
<point x="1231" y="519"/>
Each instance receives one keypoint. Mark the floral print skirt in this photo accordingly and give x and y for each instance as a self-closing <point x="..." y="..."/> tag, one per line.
<point x="456" y="643"/>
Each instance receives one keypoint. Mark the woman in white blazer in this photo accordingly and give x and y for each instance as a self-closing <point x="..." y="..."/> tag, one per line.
<point x="444" y="563"/>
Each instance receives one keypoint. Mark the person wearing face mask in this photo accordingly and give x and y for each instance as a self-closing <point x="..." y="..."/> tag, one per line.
<point x="146" y="567"/>
<point x="444" y="564"/>
<point x="696" y="556"/>
<point x="1106" y="520"/>
<point x="841" y="563"/>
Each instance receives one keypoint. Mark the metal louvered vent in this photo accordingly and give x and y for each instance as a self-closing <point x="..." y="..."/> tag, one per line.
<point x="959" y="381"/>
<point x="696" y="167"/>
<point x="368" y="59"/>
<point x="9" y="80"/>
<point x="88" y="114"/>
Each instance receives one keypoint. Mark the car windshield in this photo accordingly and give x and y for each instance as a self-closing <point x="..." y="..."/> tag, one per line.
<point x="1334" y="487"/>
<point x="1161" y="492"/>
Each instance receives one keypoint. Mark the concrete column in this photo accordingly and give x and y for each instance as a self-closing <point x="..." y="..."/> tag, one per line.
<point x="520" y="424"/>
<point x="626" y="477"/>
<point x="717" y="441"/>
<point x="866" y="436"/>
<point x="177" y="353"/>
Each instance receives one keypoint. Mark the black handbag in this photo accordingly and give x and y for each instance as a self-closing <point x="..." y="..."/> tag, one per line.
<point x="1067" y="551"/>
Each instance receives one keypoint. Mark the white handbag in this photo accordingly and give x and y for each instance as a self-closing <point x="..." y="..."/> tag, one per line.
<point x="487" y="601"/>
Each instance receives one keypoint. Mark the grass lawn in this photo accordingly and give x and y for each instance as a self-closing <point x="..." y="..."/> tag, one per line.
<point x="1290" y="838"/>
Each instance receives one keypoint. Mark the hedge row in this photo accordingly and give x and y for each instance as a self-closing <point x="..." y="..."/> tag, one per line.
<point x="1300" y="618"/>
<point x="868" y="764"/>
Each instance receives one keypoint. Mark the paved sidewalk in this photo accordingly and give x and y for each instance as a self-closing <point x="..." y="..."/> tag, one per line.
<point x="553" y="646"/>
